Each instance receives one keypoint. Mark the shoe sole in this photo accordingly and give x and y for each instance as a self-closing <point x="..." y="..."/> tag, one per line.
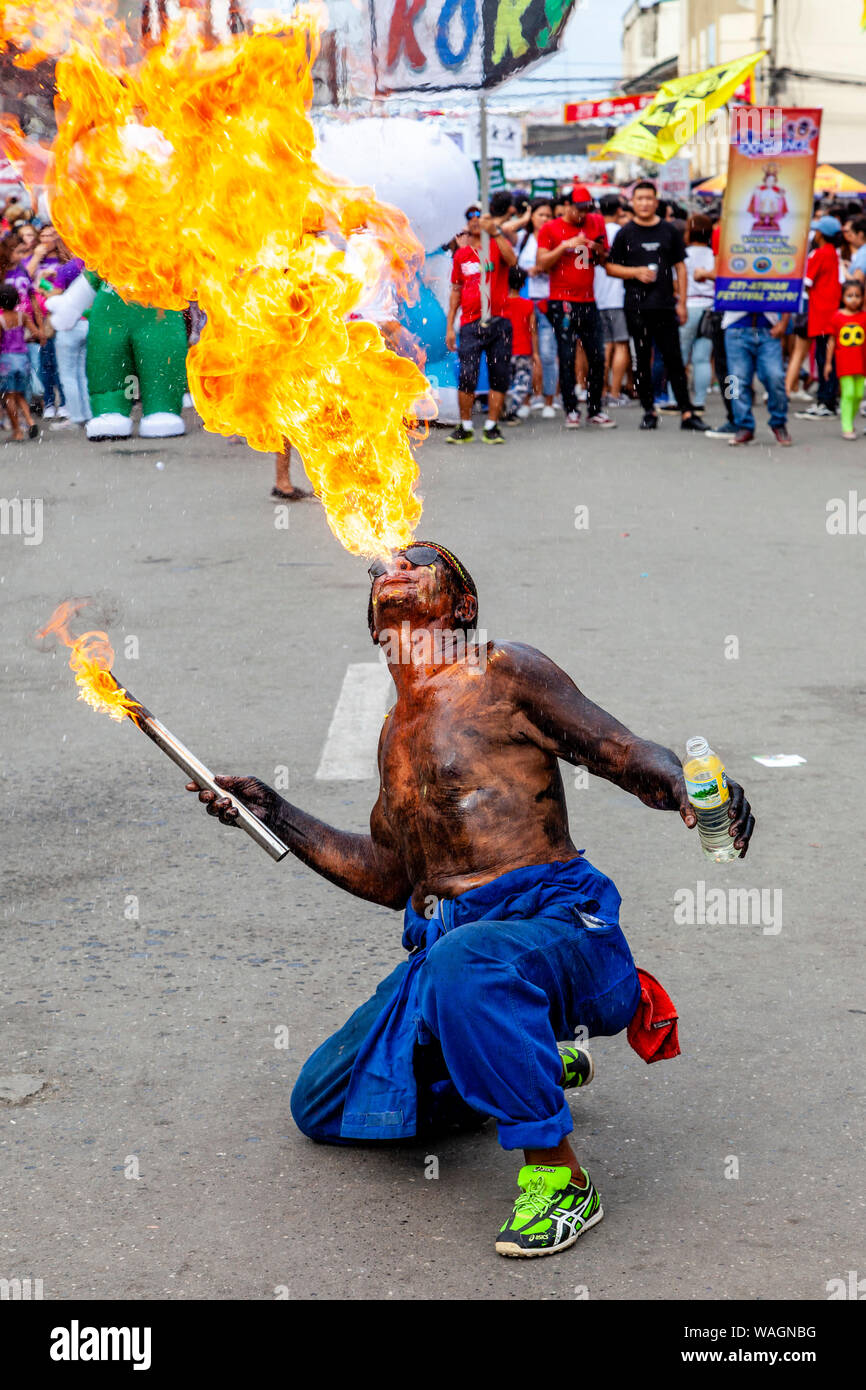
<point x="458" y="442"/>
<point x="509" y="1249"/>
<point x="491" y="441"/>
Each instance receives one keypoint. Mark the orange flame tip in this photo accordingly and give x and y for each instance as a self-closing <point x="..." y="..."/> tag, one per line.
<point x="91" y="658"/>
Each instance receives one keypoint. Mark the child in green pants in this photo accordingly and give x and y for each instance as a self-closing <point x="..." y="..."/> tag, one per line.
<point x="848" y="345"/>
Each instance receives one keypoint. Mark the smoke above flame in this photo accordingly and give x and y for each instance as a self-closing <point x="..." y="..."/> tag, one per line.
<point x="189" y="174"/>
<point x="91" y="659"/>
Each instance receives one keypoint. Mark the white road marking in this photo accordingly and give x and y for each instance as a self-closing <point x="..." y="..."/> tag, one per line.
<point x="349" y="754"/>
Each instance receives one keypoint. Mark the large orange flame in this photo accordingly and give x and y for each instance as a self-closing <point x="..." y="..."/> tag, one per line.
<point x="190" y="175"/>
<point x="35" y="161"/>
<point x="91" y="659"/>
<point x="41" y="31"/>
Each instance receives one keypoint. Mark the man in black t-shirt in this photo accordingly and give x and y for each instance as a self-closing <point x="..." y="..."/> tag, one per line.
<point x="649" y="255"/>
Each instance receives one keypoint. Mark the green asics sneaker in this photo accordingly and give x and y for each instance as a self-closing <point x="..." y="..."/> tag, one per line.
<point x="550" y="1213"/>
<point x="577" y="1065"/>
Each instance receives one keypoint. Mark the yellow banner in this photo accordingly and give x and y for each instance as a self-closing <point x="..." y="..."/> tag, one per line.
<point x="680" y="108"/>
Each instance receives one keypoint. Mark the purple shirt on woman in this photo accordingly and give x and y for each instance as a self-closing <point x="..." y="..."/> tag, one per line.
<point x="67" y="273"/>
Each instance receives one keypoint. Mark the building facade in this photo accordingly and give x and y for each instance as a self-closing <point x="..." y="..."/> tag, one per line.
<point x="650" y="44"/>
<point x="817" y="59"/>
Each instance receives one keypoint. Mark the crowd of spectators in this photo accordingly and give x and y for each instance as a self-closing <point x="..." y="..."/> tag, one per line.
<point x="590" y="308"/>
<point x="42" y="372"/>
<point x="609" y="305"/>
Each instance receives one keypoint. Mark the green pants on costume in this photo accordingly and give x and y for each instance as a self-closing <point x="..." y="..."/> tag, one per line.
<point x="850" y="396"/>
<point x="129" y="343"/>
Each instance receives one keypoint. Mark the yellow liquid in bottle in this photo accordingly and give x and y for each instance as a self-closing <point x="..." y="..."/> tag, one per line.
<point x="707" y="787"/>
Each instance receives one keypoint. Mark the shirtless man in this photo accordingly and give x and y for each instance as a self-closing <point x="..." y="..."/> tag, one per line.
<point x="514" y="936"/>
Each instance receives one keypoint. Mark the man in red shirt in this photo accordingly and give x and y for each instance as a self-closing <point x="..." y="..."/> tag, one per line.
<point x="825" y="292"/>
<point x="569" y="248"/>
<point x="493" y="337"/>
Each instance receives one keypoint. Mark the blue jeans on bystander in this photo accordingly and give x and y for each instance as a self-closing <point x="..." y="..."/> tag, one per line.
<point x="752" y="350"/>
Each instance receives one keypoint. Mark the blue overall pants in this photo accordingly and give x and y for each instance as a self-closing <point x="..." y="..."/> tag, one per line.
<point x="467" y="1027"/>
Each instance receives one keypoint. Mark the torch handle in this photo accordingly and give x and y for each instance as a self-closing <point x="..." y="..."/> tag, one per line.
<point x="197" y="772"/>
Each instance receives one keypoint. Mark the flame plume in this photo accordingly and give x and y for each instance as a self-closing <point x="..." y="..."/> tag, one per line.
<point x="189" y="175"/>
<point x="41" y="31"/>
<point x="91" y="659"/>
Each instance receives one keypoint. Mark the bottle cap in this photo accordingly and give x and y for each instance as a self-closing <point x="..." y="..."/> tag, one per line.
<point x="697" y="747"/>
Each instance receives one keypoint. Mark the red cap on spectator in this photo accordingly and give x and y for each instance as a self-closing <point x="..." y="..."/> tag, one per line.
<point x="581" y="194"/>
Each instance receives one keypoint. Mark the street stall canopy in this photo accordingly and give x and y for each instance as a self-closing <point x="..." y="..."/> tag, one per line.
<point x="828" y="179"/>
<point x="711" y="188"/>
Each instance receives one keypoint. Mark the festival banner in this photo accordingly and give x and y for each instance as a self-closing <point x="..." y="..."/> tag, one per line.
<point x="767" y="210"/>
<point x="544" y="188"/>
<point x="679" y="109"/>
<point x="440" y="45"/>
<point x="495" y="174"/>
<point x="576" y="111"/>
<point x="674" y="181"/>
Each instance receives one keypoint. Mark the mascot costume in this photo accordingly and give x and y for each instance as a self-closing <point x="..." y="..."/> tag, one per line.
<point x="132" y="351"/>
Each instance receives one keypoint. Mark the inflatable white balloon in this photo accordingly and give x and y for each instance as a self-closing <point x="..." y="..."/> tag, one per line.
<point x="411" y="164"/>
<point x="64" y="310"/>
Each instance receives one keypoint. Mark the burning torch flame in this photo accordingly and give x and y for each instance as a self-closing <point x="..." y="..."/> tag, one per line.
<point x="91" y="658"/>
<point x="189" y="175"/>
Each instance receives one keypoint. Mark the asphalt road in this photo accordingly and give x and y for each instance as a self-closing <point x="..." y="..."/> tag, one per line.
<point x="152" y="1038"/>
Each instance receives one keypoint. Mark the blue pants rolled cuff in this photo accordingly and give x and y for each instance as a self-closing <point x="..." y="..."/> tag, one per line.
<point x="468" y="1026"/>
<point x="536" y="1134"/>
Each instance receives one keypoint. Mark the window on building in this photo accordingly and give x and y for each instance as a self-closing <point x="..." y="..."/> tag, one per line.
<point x="712" y="51"/>
<point x="648" y="33"/>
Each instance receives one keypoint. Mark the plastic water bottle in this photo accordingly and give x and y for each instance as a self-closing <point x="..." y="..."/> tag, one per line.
<point x="707" y="788"/>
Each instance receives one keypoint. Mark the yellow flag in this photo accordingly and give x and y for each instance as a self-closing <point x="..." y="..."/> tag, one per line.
<point x="680" y="108"/>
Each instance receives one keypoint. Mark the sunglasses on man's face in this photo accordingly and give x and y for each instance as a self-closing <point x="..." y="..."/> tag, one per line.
<point x="470" y="215"/>
<point x="415" y="554"/>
